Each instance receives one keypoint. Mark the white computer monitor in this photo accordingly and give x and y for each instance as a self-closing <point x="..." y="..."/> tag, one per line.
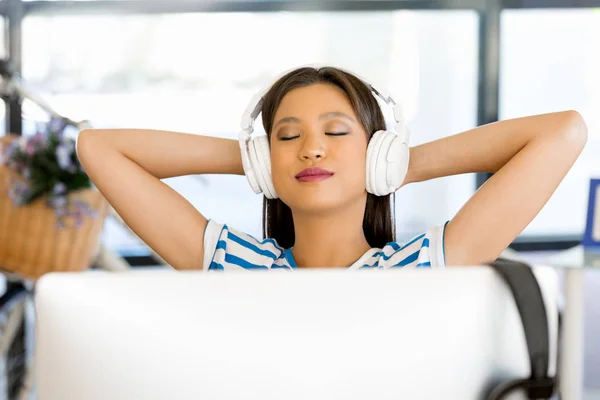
<point x="310" y="334"/>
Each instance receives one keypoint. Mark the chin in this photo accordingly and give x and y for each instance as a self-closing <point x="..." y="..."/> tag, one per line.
<point x="320" y="201"/>
<point x="315" y="205"/>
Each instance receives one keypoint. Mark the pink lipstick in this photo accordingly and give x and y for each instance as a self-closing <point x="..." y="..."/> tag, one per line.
<point x="313" y="175"/>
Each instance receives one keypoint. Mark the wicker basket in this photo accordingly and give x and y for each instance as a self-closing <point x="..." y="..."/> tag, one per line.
<point x="31" y="244"/>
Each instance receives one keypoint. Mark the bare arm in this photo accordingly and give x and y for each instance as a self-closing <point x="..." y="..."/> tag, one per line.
<point x="529" y="157"/>
<point x="127" y="166"/>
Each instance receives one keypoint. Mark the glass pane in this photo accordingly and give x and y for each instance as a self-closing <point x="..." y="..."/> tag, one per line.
<point x="2" y="55"/>
<point x="550" y="68"/>
<point x="196" y="73"/>
<point x="3" y="51"/>
<point x="2" y="118"/>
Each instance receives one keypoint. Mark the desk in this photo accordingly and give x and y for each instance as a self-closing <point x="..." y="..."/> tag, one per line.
<point x="573" y="261"/>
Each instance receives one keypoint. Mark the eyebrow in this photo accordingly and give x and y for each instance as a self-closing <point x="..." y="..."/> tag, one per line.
<point x="286" y="120"/>
<point x="327" y="115"/>
<point x="335" y="114"/>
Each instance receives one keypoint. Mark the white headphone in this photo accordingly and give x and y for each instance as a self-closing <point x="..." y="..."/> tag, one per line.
<point x="387" y="152"/>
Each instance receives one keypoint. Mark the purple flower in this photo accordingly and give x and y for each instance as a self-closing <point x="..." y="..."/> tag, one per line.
<point x="10" y="151"/>
<point x="59" y="189"/>
<point x="60" y="212"/>
<point x="19" y="192"/>
<point x="78" y="219"/>
<point x="84" y="208"/>
<point x="40" y="160"/>
<point x="63" y="157"/>
<point x="40" y="140"/>
<point x="57" y="202"/>
<point x="30" y="148"/>
<point x="16" y="197"/>
<point x="57" y="126"/>
<point x="70" y="143"/>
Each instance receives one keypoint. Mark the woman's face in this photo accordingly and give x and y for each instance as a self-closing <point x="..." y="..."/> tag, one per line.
<point x="318" y="150"/>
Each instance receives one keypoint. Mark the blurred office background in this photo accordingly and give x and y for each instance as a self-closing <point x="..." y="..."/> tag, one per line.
<point x="192" y="66"/>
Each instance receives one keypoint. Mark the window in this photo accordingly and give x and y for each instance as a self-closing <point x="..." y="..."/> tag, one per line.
<point x="550" y="68"/>
<point x="196" y="72"/>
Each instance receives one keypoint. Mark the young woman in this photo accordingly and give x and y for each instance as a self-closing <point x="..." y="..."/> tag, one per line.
<point x="319" y="123"/>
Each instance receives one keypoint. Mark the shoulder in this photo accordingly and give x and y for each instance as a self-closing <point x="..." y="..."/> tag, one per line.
<point x="225" y="248"/>
<point x="422" y="250"/>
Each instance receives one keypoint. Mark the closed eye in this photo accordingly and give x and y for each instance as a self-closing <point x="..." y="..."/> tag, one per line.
<point x="336" y="133"/>
<point x="285" y="138"/>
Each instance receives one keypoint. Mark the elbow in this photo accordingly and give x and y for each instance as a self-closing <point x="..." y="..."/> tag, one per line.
<point x="85" y="144"/>
<point x="575" y="132"/>
<point x="81" y="144"/>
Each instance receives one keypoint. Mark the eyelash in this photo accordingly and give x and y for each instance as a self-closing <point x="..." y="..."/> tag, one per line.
<point x="284" y="139"/>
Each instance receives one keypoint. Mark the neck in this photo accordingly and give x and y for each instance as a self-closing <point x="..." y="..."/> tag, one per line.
<point x="332" y="239"/>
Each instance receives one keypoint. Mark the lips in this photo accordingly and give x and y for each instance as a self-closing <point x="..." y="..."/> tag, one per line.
<point x="313" y="175"/>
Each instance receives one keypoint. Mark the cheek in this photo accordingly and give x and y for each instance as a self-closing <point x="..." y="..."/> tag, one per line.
<point x="352" y="160"/>
<point x="279" y="164"/>
<point x="359" y="169"/>
<point x="355" y="155"/>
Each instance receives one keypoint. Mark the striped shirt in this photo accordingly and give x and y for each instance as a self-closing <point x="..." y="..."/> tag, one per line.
<point x="227" y="249"/>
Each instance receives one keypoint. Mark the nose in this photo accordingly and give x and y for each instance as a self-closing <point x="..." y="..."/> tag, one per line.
<point x="313" y="148"/>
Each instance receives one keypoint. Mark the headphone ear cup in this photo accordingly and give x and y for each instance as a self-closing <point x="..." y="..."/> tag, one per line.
<point x="249" y="164"/>
<point x="262" y="156"/>
<point x="387" y="163"/>
<point x="381" y="165"/>
<point x="397" y="159"/>
<point x="369" y="162"/>
<point x="373" y="163"/>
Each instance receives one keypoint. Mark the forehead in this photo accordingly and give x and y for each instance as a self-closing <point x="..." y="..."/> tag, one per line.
<point x="314" y="99"/>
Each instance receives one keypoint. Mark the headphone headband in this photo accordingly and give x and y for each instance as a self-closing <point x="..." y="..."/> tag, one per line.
<point x="255" y="105"/>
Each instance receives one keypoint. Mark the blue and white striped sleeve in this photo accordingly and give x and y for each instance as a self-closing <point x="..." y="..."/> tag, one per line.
<point x="228" y="249"/>
<point x="424" y="250"/>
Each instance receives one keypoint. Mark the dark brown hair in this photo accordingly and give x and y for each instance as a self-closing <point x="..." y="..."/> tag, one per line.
<point x="378" y="221"/>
